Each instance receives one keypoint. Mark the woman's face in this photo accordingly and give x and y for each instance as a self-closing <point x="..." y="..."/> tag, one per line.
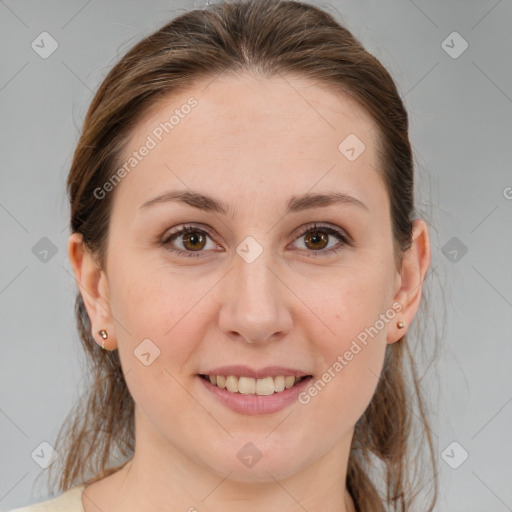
<point x="254" y="283"/>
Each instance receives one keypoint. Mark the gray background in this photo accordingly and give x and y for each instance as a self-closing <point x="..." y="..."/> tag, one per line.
<point x="461" y="124"/>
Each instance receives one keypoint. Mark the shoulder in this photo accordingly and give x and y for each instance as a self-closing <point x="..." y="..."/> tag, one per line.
<point x="68" y="501"/>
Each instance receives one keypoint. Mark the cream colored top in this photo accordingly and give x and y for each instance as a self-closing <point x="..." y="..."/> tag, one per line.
<point x="69" y="501"/>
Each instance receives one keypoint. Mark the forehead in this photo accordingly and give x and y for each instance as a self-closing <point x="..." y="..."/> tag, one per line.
<point x="253" y="134"/>
<point x="234" y="105"/>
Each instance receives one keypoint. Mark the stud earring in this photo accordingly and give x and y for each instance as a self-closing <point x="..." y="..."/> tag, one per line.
<point x="400" y="325"/>
<point x="103" y="333"/>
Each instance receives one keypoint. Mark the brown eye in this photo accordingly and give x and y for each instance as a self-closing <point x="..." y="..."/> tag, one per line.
<point x="194" y="241"/>
<point x="189" y="241"/>
<point x="323" y="240"/>
<point x="316" y="239"/>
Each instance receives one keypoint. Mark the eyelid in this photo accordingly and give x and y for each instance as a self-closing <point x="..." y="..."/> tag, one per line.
<point x="181" y="230"/>
<point x="345" y="238"/>
<point x="330" y="228"/>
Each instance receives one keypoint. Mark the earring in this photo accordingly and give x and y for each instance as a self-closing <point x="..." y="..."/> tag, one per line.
<point x="103" y="333"/>
<point x="400" y="325"/>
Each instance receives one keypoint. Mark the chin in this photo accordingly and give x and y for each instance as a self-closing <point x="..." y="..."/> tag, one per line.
<point x="252" y="465"/>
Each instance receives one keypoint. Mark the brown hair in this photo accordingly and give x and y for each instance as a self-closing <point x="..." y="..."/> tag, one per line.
<point x="266" y="37"/>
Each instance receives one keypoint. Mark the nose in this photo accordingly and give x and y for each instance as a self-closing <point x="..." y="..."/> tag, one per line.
<point x="254" y="305"/>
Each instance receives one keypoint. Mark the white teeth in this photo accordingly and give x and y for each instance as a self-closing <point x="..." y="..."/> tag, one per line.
<point x="265" y="386"/>
<point x="221" y="381"/>
<point x="250" y="386"/>
<point x="279" y="383"/>
<point x="246" y="385"/>
<point x="232" y="384"/>
<point x="289" y="381"/>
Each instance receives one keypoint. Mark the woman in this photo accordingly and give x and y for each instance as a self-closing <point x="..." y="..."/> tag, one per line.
<point x="249" y="263"/>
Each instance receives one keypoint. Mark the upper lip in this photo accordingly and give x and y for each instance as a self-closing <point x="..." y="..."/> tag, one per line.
<point x="245" y="371"/>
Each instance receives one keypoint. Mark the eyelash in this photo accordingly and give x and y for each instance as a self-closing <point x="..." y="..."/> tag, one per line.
<point x="344" y="239"/>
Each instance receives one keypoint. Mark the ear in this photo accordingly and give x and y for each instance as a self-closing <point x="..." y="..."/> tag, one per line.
<point x="409" y="282"/>
<point x="93" y="285"/>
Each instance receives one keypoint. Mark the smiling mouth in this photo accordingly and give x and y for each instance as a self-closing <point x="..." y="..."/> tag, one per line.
<point x="250" y="386"/>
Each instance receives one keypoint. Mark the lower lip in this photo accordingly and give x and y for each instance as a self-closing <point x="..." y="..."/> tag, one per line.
<point x="256" y="404"/>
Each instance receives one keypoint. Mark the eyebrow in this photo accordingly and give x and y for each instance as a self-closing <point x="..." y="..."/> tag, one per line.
<point x="295" y="203"/>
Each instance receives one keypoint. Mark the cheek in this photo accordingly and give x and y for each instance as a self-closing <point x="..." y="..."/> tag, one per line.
<point x="351" y="341"/>
<point x="338" y="398"/>
<point x="171" y="309"/>
<point x="350" y="366"/>
<point x="163" y="327"/>
<point x="153" y="299"/>
<point x="349" y="305"/>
